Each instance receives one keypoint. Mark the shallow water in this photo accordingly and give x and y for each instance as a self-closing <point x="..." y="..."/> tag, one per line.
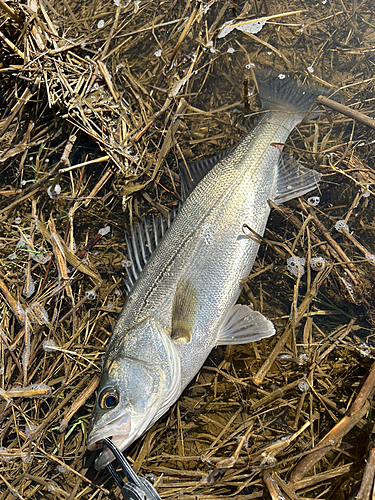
<point x="326" y="43"/>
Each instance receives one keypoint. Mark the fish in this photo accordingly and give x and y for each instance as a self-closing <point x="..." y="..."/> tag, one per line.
<point x="185" y="272"/>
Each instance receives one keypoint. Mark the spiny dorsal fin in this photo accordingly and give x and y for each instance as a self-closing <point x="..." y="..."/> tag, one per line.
<point x="184" y="310"/>
<point x="196" y="170"/>
<point x="293" y="179"/>
<point x="144" y="238"/>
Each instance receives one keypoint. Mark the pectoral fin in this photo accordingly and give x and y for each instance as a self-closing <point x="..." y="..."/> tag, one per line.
<point x="243" y="325"/>
<point x="184" y="310"/>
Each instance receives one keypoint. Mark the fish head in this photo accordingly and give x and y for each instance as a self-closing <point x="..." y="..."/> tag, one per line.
<point x="141" y="378"/>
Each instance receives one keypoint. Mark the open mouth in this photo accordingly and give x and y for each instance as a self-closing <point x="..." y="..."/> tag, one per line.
<point x="122" y="431"/>
<point x="97" y="445"/>
<point x="118" y="432"/>
<point x="121" y="442"/>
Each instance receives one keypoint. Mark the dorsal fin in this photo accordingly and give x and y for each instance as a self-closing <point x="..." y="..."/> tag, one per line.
<point x="144" y="238"/>
<point x="196" y="170"/>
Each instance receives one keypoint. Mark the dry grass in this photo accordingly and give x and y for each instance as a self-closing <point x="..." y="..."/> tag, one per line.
<point x="92" y="125"/>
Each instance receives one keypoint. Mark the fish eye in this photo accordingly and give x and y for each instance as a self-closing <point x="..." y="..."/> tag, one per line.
<point x="108" y="399"/>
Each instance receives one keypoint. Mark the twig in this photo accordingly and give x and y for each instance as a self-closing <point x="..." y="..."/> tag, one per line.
<point x="272" y="486"/>
<point x="79" y="165"/>
<point x="350" y="468"/>
<point x="366" y="491"/>
<point x="6" y="8"/>
<point x="107" y="78"/>
<point x="320" y="278"/>
<point x="70" y="469"/>
<point x="13" y="491"/>
<point x="26" y="96"/>
<point x="345" y="110"/>
<point x="357" y="410"/>
<point x="183" y="36"/>
<point x="15" y="306"/>
<point x="12" y="46"/>
<point x="271" y="47"/>
<point x="78" y="402"/>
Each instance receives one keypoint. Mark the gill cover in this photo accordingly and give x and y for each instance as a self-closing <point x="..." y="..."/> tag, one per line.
<point x="143" y="371"/>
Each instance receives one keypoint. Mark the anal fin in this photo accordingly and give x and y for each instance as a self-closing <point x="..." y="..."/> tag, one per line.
<point x="293" y="179"/>
<point x="243" y="325"/>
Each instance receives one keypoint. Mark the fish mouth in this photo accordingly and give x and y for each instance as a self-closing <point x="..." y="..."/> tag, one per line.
<point x="107" y="456"/>
<point x="118" y="432"/>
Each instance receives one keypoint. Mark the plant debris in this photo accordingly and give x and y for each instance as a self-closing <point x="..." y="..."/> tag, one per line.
<point x="99" y="102"/>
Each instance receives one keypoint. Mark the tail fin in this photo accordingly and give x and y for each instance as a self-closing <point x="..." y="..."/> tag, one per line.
<point x="279" y="92"/>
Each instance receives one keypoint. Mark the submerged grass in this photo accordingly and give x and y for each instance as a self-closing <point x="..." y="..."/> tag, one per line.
<point x="98" y="104"/>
